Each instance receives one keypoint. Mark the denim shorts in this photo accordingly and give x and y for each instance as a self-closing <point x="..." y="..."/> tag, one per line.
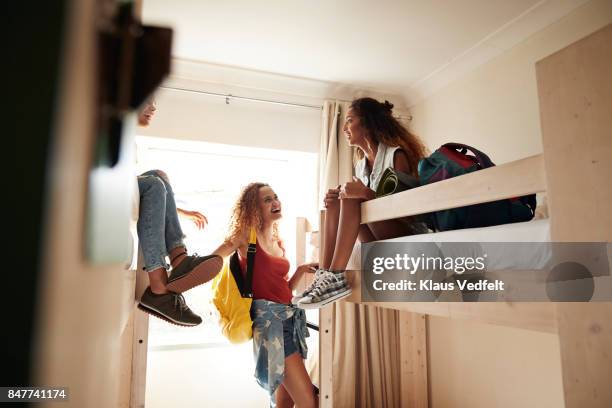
<point x="290" y="346"/>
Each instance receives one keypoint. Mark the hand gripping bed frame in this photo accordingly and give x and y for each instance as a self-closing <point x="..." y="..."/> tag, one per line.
<point x="575" y="170"/>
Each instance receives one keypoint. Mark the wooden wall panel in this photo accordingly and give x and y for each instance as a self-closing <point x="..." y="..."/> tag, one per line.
<point x="413" y="360"/>
<point x="575" y="91"/>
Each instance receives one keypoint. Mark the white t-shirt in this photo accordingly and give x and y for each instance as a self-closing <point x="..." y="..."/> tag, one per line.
<point x="383" y="160"/>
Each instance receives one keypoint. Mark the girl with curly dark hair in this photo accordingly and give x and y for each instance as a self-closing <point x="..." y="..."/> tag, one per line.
<point x="381" y="141"/>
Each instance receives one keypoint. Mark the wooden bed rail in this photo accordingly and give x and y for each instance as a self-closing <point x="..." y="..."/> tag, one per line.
<point x="536" y="316"/>
<point x="517" y="178"/>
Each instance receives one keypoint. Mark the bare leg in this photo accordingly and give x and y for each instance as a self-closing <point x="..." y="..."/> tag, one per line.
<point x="342" y="227"/>
<point x="157" y="280"/>
<point x="365" y="234"/>
<point x="332" y="216"/>
<point x="391" y="228"/>
<point x="297" y="382"/>
<point x="348" y="229"/>
<point x="283" y="399"/>
<point x="177" y="255"/>
<point x="159" y="277"/>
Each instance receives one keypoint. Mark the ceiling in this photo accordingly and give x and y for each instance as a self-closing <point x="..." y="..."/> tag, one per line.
<point x="389" y="46"/>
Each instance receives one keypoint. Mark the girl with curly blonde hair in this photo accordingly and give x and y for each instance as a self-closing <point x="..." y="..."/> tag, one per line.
<point x="279" y="328"/>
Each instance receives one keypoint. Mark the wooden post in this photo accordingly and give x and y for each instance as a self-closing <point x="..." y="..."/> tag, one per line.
<point x="413" y="359"/>
<point x="140" y="340"/>
<point x="326" y="356"/>
<point x="139" y="359"/>
<point x="575" y="91"/>
<point x="302" y="227"/>
<point x="326" y="337"/>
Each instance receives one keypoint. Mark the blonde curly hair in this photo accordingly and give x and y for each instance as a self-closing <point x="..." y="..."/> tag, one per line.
<point x="246" y="213"/>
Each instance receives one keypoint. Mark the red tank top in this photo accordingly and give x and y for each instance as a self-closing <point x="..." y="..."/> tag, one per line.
<point x="270" y="277"/>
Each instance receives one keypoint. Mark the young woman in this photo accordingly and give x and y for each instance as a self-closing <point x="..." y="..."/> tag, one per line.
<point x="381" y="142"/>
<point x="160" y="236"/>
<point x="279" y="328"/>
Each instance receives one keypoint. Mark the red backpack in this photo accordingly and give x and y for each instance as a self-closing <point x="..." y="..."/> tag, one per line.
<point x="455" y="159"/>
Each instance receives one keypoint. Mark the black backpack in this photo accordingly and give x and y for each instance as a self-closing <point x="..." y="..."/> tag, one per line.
<point x="451" y="160"/>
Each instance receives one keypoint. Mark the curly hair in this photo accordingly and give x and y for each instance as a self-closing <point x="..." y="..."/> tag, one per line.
<point x="377" y="119"/>
<point x="246" y="213"/>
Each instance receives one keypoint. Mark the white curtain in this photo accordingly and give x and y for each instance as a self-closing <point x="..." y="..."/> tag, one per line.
<point x="335" y="158"/>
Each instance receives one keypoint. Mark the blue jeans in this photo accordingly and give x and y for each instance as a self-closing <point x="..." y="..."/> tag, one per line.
<point x="159" y="230"/>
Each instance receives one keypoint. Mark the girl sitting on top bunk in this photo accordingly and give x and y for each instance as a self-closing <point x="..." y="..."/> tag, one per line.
<point x="381" y="142"/>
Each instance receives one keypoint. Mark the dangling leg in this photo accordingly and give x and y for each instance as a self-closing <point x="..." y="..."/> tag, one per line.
<point x="330" y="231"/>
<point x="342" y="217"/>
<point x="157" y="299"/>
<point x="331" y="284"/>
<point x="348" y="230"/>
<point x="173" y="233"/>
<point x="151" y="230"/>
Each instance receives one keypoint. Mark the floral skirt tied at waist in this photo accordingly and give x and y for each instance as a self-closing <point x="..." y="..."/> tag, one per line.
<point x="269" y="318"/>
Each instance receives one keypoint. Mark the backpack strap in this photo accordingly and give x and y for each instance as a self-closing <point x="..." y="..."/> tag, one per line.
<point x="483" y="160"/>
<point x="530" y="201"/>
<point x="245" y="283"/>
<point x="252" y="248"/>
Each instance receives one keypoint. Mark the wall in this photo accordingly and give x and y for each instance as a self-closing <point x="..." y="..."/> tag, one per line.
<point x="194" y="116"/>
<point x="475" y="365"/>
<point x="495" y="108"/>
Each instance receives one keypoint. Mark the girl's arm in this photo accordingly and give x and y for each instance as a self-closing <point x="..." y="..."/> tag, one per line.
<point x="229" y="246"/>
<point x="356" y="189"/>
<point x="299" y="273"/>
<point x="196" y="217"/>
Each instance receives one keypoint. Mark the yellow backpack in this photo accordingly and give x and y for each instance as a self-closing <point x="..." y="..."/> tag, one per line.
<point x="233" y="295"/>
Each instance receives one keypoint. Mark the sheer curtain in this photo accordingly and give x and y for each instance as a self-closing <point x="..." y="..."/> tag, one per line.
<point x="366" y="362"/>
<point x="335" y="155"/>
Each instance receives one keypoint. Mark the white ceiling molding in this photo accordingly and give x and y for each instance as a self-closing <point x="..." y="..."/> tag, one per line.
<point x="536" y="18"/>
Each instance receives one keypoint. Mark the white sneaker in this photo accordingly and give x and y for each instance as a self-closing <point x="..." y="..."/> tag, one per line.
<point x="299" y="297"/>
<point x="330" y="286"/>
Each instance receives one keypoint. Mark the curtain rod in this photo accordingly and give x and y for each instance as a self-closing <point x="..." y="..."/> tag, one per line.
<point x="229" y="97"/>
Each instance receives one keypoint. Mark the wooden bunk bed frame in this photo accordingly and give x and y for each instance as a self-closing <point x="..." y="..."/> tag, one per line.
<point x="575" y="92"/>
<point x="575" y="95"/>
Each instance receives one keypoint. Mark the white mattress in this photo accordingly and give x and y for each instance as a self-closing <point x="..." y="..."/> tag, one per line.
<point x="499" y="258"/>
<point x="534" y="254"/>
